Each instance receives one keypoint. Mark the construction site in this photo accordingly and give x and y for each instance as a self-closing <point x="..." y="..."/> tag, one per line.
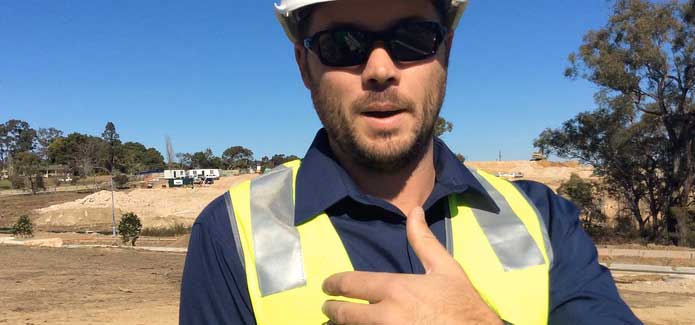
<point x="74" y="272"/>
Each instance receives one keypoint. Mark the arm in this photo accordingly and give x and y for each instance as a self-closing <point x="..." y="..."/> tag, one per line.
<point x="213" y="289"/>
<point x="581" y="290"/>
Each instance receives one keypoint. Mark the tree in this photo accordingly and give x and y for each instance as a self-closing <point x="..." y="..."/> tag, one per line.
<point x="80" y="152"/>
<point x="185" y="160"/>
<point x="152" y="159"/>
<point x="44" y="138"/>
<point x="23" y="227"/>
<point x="28" y="165"/>
<point x="15" y="136"/>
<point x="442" y="126"/>
<point x="461" y="158"/>
<point x="275" y="160"/>
<point x="645" y="56"/>
<point x="111" y="138"/>
<point x="586" y="195"/>
<point x="206" y="159"/>
<point x="135" y="158"/>
<point x="92" y="152"/>
<point x="129" y="228"/>
<point x="237" y="157"/>
<point x="625" y="151"/>
<point x="280" y="159"/>
<point x="170" y="152"/>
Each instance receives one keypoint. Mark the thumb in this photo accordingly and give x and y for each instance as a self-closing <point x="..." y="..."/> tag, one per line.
<point x="426" y="246"/>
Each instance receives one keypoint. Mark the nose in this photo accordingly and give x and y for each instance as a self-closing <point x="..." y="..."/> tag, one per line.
<point x="380" y="72"/>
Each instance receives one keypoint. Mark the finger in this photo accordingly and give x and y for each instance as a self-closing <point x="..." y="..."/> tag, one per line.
<point x="369" y="286"/>
<point x="345" y="313"/>
<point x="425" y="244"/>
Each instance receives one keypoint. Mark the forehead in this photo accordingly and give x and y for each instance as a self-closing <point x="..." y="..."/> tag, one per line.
<point x="369" y="14"/>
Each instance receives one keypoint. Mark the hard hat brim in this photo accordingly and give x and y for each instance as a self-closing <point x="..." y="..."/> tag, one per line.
<point x="285" y="13"/>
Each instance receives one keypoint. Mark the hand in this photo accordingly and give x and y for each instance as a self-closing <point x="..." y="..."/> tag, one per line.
<point x="443" y="295"/>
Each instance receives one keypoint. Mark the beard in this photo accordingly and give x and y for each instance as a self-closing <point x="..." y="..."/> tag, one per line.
<point x="388" y="155"/>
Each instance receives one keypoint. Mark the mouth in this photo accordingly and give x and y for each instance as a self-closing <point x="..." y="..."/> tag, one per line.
<point x="382" y="110"/>
<point x="383" y="114"/>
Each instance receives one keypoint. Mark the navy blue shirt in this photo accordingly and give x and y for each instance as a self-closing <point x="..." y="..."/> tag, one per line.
<point x="214" y="289"/>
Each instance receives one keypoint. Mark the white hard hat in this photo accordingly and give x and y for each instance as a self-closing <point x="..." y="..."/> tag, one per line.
<point x="287" y="9"/>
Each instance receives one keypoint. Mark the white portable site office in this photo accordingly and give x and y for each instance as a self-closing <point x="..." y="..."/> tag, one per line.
<point x="174" y="173"/>
<point x="204" y="173"/>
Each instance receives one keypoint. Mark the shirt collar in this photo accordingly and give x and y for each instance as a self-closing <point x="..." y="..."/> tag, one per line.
<point x="322" y="181"/>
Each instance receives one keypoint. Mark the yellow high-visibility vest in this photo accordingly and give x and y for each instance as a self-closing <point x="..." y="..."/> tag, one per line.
<point x="506" y="253"/>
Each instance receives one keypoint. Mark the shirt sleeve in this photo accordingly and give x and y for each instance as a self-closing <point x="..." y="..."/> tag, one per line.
<point x="581" y="290"/>
<point x="213" y="288"/>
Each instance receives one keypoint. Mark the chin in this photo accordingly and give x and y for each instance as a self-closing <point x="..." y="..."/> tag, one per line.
<point x="387" y="148"/>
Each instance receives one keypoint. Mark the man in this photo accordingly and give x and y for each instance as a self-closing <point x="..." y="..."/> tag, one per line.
<point x="379" y="223"/>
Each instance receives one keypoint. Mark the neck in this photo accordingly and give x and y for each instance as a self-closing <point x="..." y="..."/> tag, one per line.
<point x="406" y="189"/>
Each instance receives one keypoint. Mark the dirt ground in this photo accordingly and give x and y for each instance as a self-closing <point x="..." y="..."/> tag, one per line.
<point x="123" y="286"/>
<point x="659" y="300"/>
<point x="88" y="286"/>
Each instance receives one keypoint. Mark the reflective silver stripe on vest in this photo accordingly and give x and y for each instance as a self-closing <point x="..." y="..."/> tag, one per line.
<point x="276" y="244"/>
<point x="506" y="233"/>
<point x="447" y="228"/>
<point x="235" y="229"/>
<point x="544" y="228"/>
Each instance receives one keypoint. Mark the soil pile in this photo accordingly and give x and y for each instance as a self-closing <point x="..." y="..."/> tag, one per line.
<point x="550" y="173"/>
<point x="155" y="207"/>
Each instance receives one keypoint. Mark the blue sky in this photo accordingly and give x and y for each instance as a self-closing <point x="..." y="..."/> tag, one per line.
<point x="212" y="74"/>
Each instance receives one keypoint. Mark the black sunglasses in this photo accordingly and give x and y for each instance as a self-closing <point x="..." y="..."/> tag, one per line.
<point x="407" y="41"/>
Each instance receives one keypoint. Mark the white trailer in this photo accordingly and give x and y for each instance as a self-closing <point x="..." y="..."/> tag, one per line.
<point x="204" y="173"/>
<point x="174" y="173"/>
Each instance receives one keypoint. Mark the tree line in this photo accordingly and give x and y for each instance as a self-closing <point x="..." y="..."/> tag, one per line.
<point x="641" y="136"/>
<point x="235" y="157"/>
<point x="25" y="151"/>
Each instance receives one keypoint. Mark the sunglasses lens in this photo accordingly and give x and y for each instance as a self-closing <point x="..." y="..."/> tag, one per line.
<point x="343" y="48"/>
<point x="410" y="41"/>
<point x="415" y="41"/>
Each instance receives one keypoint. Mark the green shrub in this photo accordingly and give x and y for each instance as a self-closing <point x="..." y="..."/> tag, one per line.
<point x="177" y="229"/>
<point x="23" y="228"/>
<point x="129" y="227"/>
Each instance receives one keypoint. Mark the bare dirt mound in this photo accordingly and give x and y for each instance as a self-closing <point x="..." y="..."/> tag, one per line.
<point x="155" y="207"/>
<point x="551" y="173"/>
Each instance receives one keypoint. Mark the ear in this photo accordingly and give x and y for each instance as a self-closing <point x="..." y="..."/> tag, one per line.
<point x="300" y="55"/>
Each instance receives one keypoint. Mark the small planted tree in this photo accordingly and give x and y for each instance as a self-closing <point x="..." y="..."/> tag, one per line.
<point x="23" y="228"/>
<point x="129" y="227"/>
